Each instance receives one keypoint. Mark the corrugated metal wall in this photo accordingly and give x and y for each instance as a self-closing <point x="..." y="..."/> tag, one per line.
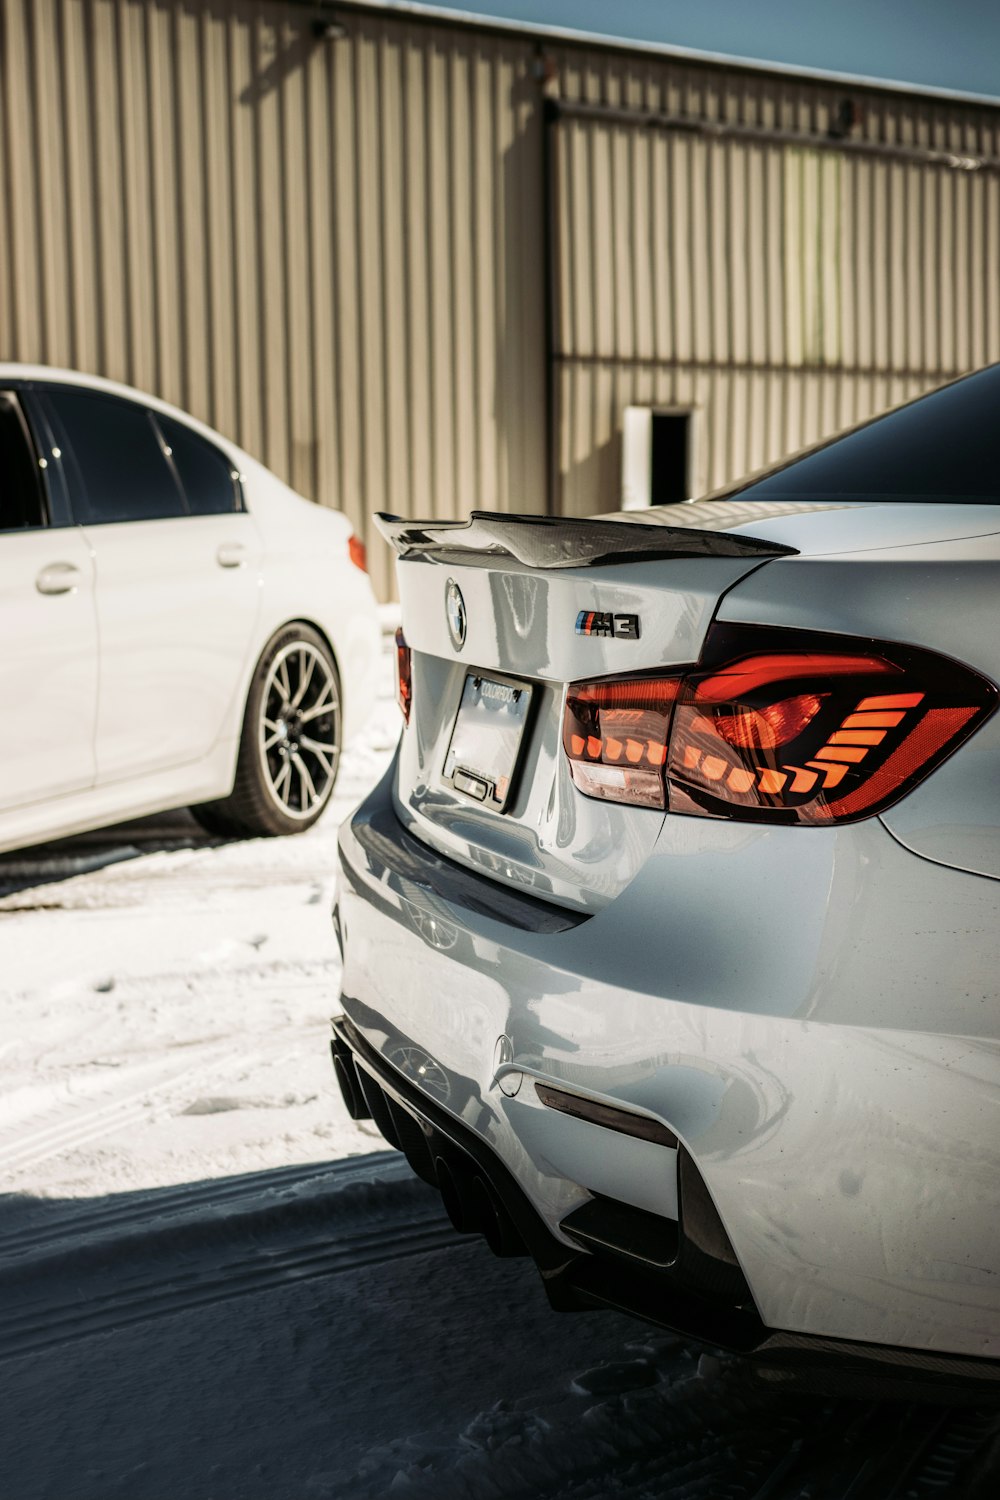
<point x="782" y="291"/>
<point x="336" y="252"/>
<point x="331" y="251"/>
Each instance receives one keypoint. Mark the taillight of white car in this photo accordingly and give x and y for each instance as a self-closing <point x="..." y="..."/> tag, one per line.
<point x="775" y="726"/>
<point x="404" y="677"/>
<point x="357" y="552"/>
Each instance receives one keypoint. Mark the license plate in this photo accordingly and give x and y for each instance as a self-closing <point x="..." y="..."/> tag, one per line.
<point x="486" y="740"/>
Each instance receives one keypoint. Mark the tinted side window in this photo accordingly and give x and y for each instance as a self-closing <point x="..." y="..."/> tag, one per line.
<point x="122" y="473"/>
<point x="206" y="476"/>
<point x="22" y="503"/>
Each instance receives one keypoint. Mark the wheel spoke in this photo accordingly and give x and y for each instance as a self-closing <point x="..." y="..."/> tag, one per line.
<point x="328" y="705"/>
<point x="305" y="677"/>
<point x="281" y="677"/>
<point x="308" y="785"/>
<point x="283" y="780"/>
<point x="325" y="754"/>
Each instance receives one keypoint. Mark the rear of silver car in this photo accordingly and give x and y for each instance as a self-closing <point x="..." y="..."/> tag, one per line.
<point x="707" y="1050"/>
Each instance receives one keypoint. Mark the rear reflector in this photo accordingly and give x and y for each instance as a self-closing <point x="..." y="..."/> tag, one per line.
<point x="774" y="727"/>
<point x="404" y="677"/>
<point x="625" y="1121"/>
<point x="358" y="553"/>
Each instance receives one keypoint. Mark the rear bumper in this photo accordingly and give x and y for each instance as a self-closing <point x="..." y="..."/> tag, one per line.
<point x="619" y="1274"/>
<point x="844" y="1142"/>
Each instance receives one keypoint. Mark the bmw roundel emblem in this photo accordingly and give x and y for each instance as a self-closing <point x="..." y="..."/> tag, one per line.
<point x="455" y="609"/>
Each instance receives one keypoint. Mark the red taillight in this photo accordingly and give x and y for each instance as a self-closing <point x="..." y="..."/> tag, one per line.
<point x="358" y="552"/>
<point x="774" y="724"/>
<point x="404" y="679"/>
<point x="615" y="734"/>
<point x="775" y="735"/>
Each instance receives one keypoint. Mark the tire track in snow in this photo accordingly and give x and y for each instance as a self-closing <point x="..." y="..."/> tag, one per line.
<point x="86" y="1221"/>
<point x="96" y="1270"/>
<point x="154" y="1296"/>
<point x="79" y="1123"/>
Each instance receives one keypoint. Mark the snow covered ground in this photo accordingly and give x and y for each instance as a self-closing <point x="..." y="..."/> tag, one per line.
<point x="213" y="1285"/>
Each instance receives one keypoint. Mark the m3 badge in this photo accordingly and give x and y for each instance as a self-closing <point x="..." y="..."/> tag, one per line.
<point x="598" y="622"/>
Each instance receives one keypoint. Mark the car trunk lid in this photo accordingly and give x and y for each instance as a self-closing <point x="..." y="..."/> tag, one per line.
<point x="545" y="603"/>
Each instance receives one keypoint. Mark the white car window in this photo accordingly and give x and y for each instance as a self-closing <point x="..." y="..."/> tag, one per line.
<point x="206" y="475"/>
<point x="22" y="498"/>
<point x="117" y="468"/>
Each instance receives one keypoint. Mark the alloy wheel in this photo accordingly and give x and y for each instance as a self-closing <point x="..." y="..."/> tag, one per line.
<point x="299" y="729"/>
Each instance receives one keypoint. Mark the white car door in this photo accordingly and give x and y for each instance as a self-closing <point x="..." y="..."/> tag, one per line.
<point x="177" y="568"/>
<point x="48" y="666"/>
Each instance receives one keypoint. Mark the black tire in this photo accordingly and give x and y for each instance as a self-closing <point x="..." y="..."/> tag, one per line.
<point x="290" y="742"/>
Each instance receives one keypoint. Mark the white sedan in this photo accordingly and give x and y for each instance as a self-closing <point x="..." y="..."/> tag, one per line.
<point x="180" y="628"/>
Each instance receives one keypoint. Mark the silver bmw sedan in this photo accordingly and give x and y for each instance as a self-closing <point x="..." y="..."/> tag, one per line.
<point x="671" y="937"/>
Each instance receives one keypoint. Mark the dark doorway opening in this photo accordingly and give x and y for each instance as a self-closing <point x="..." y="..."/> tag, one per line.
<point x="669" y="473"/>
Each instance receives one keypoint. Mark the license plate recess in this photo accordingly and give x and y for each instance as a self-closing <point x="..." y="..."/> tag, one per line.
<point x="486" y="740"/>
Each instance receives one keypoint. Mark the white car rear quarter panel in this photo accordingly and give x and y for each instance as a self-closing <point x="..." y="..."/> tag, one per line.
<point x="308" y="576"/>
<point x="942" y="595"/>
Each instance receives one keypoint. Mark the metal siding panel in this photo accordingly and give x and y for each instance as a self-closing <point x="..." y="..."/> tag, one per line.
<point x="699" y="189"/>
<point x="15" y="162"/>
<point x="740" y="250"/>
<point x="393" y="352"/>
<point x="483" y="253"/>
<point x="793" y="257"/>
<point x="576" y="180"/>
<point x="625" y="248"/>
<point x="977" y="269"/>
<point x="463" y="360"/>
<point x="192" y="310"/>
<point x="442" y="371"/>
<point x="370" y="270"/>
<point x="270" y="243"/>
<point x="642" y="248"/>
<point x="220" y="332"/>
<point x="324" y="368"/>
<point x="601" y="234"/>
<point x="245" y="364"/>
<point x="344" y="236"/>
<point x="507" y="270"/>
<point x="991" y="190"/>
<point x="417" y="281"/>
<point x="963" y="278"/>
<point x="663" y="266"/>
<point x="719" y="235"/>
<point x="82" y="250"/>
<point x="294" y="211"/>
<point x="945" y="290"/>
<point x="681" y="252"/>
<point x="913" y="256"/>
<point x="53" y="227"/>
<point x="136" y="190"/>
<point x="526" y="412"/>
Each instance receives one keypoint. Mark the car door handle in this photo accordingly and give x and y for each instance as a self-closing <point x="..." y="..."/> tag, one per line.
<point x="231" y="555"/>
<point x="58" y="578"/>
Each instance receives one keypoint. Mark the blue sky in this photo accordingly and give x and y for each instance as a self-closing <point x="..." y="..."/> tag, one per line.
<point x="948" y="44"/>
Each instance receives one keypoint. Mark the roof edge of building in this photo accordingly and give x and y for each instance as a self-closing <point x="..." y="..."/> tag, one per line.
<point x="419" y="10"/>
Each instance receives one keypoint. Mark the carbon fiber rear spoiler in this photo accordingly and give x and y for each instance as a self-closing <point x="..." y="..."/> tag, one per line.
<point x="561" y="541"/>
